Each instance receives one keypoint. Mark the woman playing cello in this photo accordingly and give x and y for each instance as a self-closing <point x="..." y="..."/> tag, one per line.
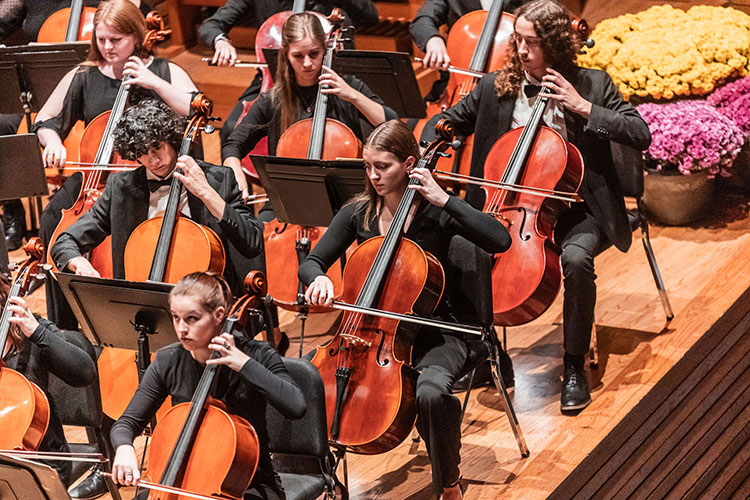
<point x="390" y="153"/>
<point x="89" y="90"/>
<point x="36" y="348"/>
<point x="585" y="108"/>
<point x="293" y="95"/>
<point x="199" y="303"/>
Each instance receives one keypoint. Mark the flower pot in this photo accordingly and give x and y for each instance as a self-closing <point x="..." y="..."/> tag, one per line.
<point x="741" y="167"/>
<point x="676" y="199"/>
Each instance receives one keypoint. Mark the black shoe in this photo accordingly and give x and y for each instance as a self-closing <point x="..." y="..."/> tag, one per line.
<point x="575" y="390"/>
<point x="92" y="487"/>
<point x="14" y="223"/>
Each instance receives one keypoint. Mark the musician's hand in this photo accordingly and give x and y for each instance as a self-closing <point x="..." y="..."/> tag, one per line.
<point x="21" y="316"/>
<point x="231" y="356"/>
<point x="55" y="155"/>
<point x="436" y="54"/>
<point x="192" y="176"/>
<point x="82" y="267"/>
<point x="224" y="53"/>
<point x="565" y="93"/>
<point x="320" y="291"/>
<point x="140" y="74"/>
<point x="125" y="466"/>
<point x="429" y="188"/>
<point x="336" y="85"/>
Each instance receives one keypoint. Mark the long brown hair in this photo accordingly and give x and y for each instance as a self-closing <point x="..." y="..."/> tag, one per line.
<point x="121" y="15"/>
<point x="211" y="290"/>
<point x="296" y="28"/>
<point x="14" y="332"/>
<point x="396" y="138"/>
<point x="559" y="41"/>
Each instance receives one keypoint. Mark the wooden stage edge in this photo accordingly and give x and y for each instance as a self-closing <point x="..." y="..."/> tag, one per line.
<point x="670" y="410"/>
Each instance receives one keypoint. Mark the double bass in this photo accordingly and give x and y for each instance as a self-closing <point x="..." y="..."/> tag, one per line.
<point x="370" y="387"/>
<point x="199" y="446"/>
<point x="69" y="24"/>
<point x="99" y="134"/>
<point x="24" y="409"/>
<point x="318" y="138"/>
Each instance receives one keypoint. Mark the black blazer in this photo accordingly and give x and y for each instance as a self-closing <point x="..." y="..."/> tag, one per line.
<point x="612" y="119"/>
<point x="124" y="204"/>
<point x="360" y="12"/>
<point x="435" y="13"/>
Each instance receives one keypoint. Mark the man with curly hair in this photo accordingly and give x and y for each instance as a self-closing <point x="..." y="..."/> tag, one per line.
<point x="586" y="108"/>
<point x="151" y="133"/>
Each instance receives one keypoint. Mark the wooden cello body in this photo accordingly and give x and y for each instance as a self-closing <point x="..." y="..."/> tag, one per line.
<point x="25" y="411"/>
<point x="199" y="446"/>
<point x="318" y="138"/>
<point x="369" y="384"/>
<point x="488" y="33"/>
<point x="527" y="277"/>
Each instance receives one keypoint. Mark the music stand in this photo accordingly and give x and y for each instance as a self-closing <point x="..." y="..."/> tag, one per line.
<point x="22" y="479"/>
<point x="123" y="314"/>
<point x="21" y="167"/>
<point x="29" y="73"/>
<point x="308" y="192"/>
<point x="389" y="75"/>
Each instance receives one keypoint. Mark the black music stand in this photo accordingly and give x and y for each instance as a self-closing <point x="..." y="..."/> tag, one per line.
<point x="123" y="314"/>
<point x="389" y="75"/>
<point x="308" y="193"/>
<point x="29" y="73"/>
<point x="22" y="479"/>
<point x="21" y="167"/>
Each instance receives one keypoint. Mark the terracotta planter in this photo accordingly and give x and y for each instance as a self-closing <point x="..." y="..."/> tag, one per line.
<point x="676" y="199"/>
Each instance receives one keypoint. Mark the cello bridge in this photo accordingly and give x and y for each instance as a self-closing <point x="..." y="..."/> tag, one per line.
<point x="501" y="217"/>
<point x="354" y="339"/>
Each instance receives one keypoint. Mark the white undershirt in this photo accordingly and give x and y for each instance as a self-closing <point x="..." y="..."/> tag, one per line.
<point x="553" y="114"/>
<point x="157" y="201"/>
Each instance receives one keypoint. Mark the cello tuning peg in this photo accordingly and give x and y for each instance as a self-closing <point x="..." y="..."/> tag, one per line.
<point x="589" y="43"/>
<point x="214" y="118"/>
<point x="456" y="144"/>
<point x="46" y="267"/>
<point x="444" y="154"/>
<point x="423" y="144"/>
<point x="13" y="266"/>
<point x="39" y="276"/>
<point x="209" y="129"/>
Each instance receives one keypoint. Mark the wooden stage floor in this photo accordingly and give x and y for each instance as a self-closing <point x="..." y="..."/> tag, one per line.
<point x="705" y="267"/>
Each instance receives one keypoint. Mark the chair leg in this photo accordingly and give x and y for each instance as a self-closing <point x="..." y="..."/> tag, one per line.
<point x="503" y="392"/>
<point x="468" y="391"/>
<point x="646" y="239"/>
<point x="594" y="349"/>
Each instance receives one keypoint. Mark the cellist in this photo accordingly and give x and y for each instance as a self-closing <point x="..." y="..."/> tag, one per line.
<point x="89" y="90"/>
<point x="586" y="108"/>
<point x="390" y="155"/>
<point x="36" y="348"/>
<point x="199" y="303"/>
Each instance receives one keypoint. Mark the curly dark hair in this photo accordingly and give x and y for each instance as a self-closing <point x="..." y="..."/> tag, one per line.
<point x="559" y="41"/>
<point x="147" y="125"/>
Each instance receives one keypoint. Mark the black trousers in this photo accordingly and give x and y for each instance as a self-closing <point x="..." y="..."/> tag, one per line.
<point x="440" y="358"/>
<point x="581" y="238"/>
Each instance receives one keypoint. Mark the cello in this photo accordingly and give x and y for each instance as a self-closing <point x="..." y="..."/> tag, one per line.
<point x="365" y="366"/>
<point x="25" y="410"/>
<point x="168" y="247"/>
<point x="200" y="447"/>
<point x="535" y="156"/>
<point x="99" y="132"/>
<point x="318" y="138"/>
<point x="74" y="23"/>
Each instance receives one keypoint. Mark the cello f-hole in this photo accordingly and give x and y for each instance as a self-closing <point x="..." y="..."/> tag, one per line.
<point x="380" y="362"/>
<point x="527" y="236"/>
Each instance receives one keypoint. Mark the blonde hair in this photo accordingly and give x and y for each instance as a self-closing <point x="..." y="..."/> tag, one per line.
<point x="211" y="290"/>
<point x="121" y="15"/>
<point x="397" y="139"/>
<point x="296" y="28"/>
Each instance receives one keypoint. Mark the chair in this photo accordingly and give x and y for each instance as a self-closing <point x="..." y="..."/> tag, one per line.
<point x="82" y="407"/>
<point x="300" y="447"/>
<point x="468" y="273"/>
<point x="629" y="166"/>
